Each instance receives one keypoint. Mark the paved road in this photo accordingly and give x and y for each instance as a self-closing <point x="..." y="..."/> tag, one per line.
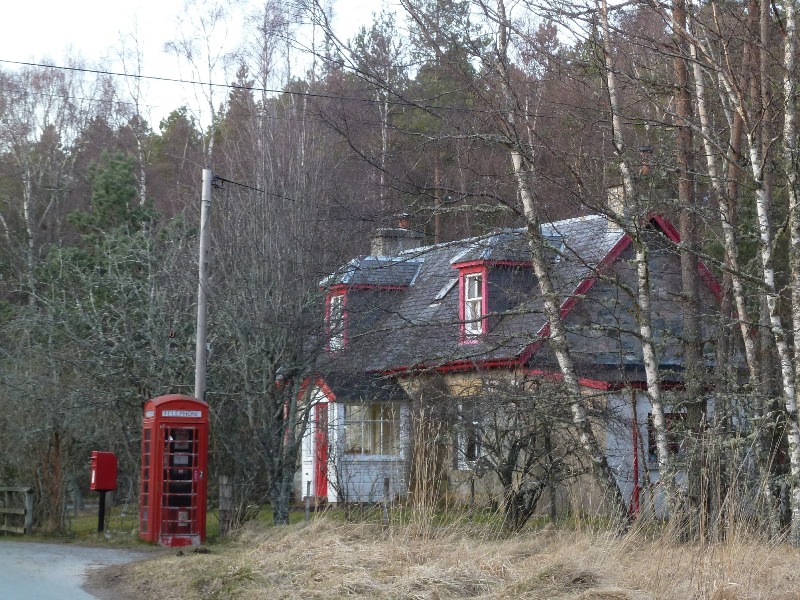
<point x="30" y="571"/>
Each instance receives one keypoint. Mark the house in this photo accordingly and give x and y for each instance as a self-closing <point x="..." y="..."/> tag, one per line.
<point x="411" y="324"/>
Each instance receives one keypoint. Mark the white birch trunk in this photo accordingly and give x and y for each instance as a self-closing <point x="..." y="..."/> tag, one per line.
<point x="30" y="230"/>
<point x="633" y="228"/>
<point x="558" y="334"/>
<point x="142" y="170"/>
<point x="763" y="202"/>
<point x="726" y="220"/>
<point x="791" y="164"/>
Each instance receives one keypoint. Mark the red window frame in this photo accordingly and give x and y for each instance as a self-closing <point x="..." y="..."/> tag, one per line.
<point x="342" y="334"/>
<point x="468" y="336"/>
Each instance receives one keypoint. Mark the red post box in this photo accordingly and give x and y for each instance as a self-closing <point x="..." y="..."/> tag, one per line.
<point x="104" y="471"/>
<point x="172" y="505"/>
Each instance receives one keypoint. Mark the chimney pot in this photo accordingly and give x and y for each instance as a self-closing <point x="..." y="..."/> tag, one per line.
<point x="390" y="241"/>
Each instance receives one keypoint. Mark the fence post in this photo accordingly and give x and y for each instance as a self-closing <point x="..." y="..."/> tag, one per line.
<point x="29" y="511"/>
<point x="308" y="500"/>
<point x="13" y="515"/>
<point x="225" y="504"/>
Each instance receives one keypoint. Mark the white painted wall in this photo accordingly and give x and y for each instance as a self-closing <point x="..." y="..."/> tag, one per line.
<point x="361" y="476"/>
<point x="619" y="448"/>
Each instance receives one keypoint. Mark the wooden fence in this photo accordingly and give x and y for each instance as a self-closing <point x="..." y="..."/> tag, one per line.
<point x="16" y="510"/>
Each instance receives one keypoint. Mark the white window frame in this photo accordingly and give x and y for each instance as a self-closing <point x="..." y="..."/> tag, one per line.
<point x="336" y="319"/>
<point x="468" y="432"/>
<point x="372" y="429"/>
<point x="473" y="304"/>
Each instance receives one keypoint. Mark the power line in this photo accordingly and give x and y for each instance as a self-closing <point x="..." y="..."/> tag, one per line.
<point x="130" y="75"/>
<point x="217" y="183"/>
<point x="233" y="86"/>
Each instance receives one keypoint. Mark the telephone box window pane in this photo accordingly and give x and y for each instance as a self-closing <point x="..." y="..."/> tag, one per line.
<point x="178" y="458"/>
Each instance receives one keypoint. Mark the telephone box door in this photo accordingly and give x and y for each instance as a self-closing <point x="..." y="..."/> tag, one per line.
<point x="181" y="483"/>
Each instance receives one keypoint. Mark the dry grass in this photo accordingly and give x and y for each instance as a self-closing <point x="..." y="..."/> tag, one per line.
<point x="327" y="560"/>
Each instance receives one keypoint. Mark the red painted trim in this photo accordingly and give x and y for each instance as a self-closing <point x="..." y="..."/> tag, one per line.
<point x="321" y="447"/>
<point x="470" y="264"/>
<point x="706" y="275"/>
<point x="340" y="288"/>
<point x="599" y="384"/>
<point x="708" y="278"/>
<point x="321" y="442"/>
<point x="530" y="350"/>
<point x="325" y="389"/>
<point x="595" y="384"/>
<point x="343" y="287"/>
<point x="668" y="229"/>
<point x="459" y="365"/>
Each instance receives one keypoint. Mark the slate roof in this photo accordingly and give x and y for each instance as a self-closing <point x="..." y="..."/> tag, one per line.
<point x="363" y="387"/>
<point x="378" y="271"/>
<point x="419" y="325"/>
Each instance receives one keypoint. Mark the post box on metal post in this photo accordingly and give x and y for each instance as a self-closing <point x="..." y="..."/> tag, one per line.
<point x="104" y="479"/>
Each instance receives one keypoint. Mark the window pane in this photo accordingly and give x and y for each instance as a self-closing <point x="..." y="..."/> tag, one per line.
<point x="372" y="428"/>
<point x="473" y="304"/>
<point x="474" y="286"/>
<point x="336" y="322"/>
<point x="473" y="310"/>
<point x="469" y="435"/>
<point x="472" y="316"/>
<point x="354" y="415"/>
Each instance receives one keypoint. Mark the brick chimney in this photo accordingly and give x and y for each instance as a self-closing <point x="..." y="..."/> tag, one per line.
<point x="390" y="241"/>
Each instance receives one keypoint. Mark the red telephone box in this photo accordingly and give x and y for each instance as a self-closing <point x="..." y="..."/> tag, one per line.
<point x="172" y="506"/>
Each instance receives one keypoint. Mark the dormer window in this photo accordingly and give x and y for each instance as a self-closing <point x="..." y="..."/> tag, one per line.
<point x="473" y="303"/>
<point x="335" y="317"/>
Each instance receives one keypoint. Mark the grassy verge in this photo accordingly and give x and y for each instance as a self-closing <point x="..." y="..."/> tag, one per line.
<point x="331" y="558"/>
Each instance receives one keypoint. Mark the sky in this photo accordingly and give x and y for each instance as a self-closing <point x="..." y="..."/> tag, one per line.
<point x="97" y="29"/>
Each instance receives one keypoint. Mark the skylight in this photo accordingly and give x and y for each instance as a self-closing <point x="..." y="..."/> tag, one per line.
<point x="556" y="242"/>
<point x="446" y="289"/>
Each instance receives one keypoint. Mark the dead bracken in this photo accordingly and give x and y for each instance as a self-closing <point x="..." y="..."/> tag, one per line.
<point x="326" y="560"/>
